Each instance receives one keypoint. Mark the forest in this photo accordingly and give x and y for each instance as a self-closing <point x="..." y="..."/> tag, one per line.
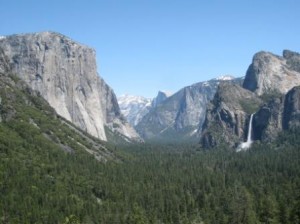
<point x="47" y="176"/>
<point x="149" y="183"/>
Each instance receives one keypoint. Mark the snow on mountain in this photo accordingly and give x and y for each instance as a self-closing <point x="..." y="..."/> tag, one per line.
<point x="225" y="78"/>
<point x="134" y="107"/>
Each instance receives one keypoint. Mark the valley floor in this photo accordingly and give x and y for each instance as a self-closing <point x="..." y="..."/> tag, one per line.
<point x="151" y="184"/>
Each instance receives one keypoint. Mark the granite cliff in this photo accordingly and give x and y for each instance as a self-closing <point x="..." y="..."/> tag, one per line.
<point x="64" y="72"/>
<point x="281" y="113"/>
<point x="29" y="124"/>
<point x="269" y="72"/>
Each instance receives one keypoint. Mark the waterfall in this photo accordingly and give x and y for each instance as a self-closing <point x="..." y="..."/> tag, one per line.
<point x="249" y="140"/>
<point x="246" y="145"/>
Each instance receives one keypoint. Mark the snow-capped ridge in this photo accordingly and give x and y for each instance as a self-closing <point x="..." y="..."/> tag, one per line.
<point x="134" y="107"/>
<point x="225" y="78"/>
<point x="126" y="99"/>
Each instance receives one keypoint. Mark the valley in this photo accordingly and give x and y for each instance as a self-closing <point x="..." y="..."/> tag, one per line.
<point x="224" y="150"/>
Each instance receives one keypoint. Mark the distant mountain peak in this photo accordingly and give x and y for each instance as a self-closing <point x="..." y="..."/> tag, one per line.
<point x="134" y="107"/>
<point x="165" y="92"/>
<point x="131" y="97"/>
<point x="161" y="96"/>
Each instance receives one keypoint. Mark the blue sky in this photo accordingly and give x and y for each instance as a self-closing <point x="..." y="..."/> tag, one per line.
<point x="148" y="45"/>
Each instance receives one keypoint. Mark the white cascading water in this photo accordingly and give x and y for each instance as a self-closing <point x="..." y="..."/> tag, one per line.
<point x="246" y="145"/>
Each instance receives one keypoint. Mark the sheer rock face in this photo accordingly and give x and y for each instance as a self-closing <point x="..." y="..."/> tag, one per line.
<point x="269" y="72"/>
<point x="268" y="120"/>
<point x="281" y="113"/>
<point x="228" y="116"/>
<point x="65" y="74"/>
<point x="291" y="117"/>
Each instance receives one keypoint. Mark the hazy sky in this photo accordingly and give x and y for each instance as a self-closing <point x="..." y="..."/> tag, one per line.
<point x="148" y="45"/>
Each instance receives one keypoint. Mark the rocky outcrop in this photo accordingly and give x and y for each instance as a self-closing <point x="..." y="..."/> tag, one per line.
<point x="65" y="74"/>
<point x="269" y="72"/>
<point x="228" y="116"/>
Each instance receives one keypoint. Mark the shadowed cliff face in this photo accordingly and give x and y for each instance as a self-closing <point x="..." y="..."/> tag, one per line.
<point x="281" y="113"/>
<point x="268" y="120"/>
<point x="228" y="116"/>
<point x="291" y="118"/>
<point x="269" y="72"/>
<point x="65" y="74"/>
